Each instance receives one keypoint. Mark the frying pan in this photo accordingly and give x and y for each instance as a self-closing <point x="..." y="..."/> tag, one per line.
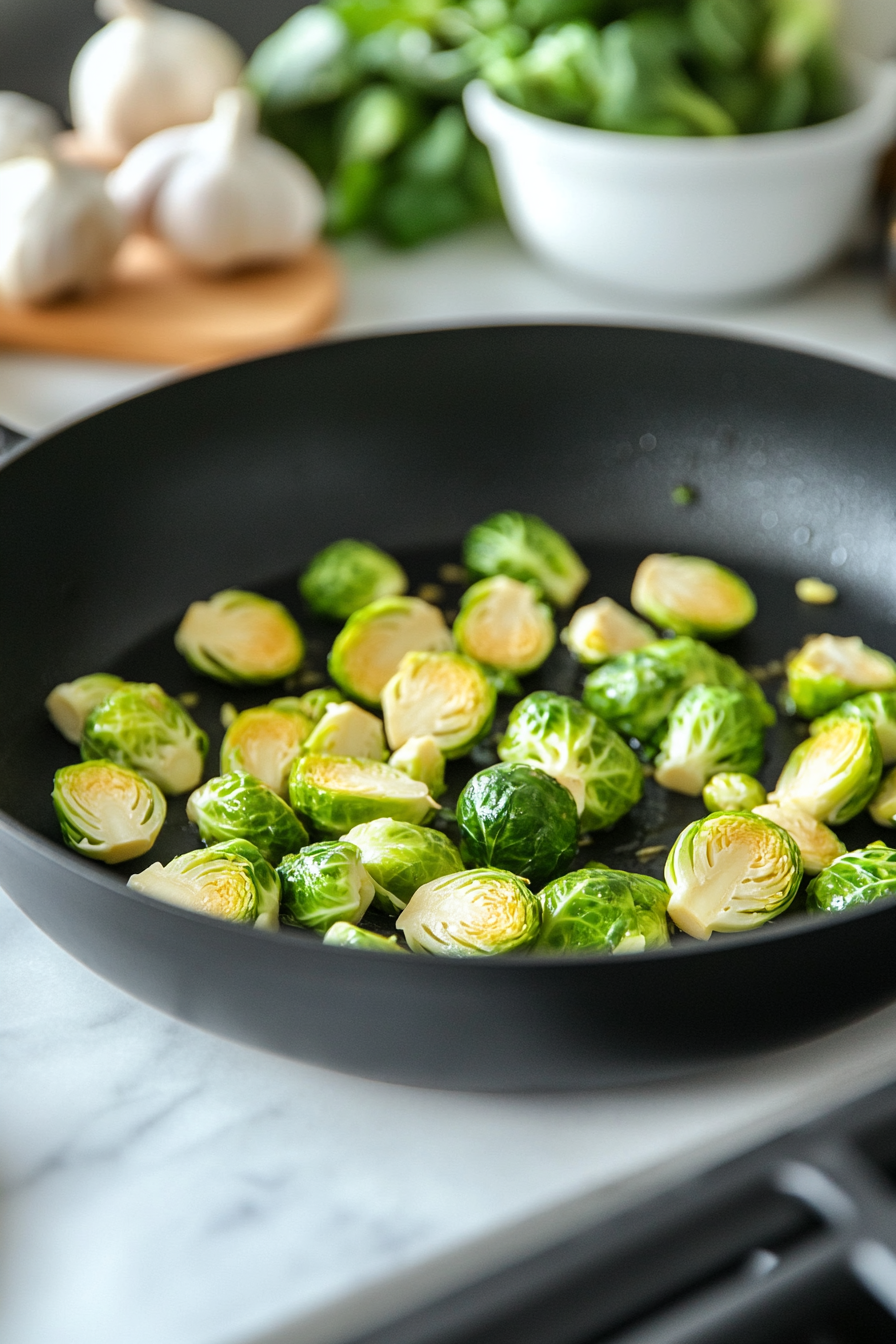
<point x="109" y="528"/>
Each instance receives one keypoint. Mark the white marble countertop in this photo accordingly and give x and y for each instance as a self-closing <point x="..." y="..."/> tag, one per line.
<point x="160" y="1186"/>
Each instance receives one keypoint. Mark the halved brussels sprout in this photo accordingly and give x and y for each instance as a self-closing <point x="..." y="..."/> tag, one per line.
<point x="349" y="575"/>
<point x="400" y="858"/>
<point x="106" y="811"/>
<point x="503" y="624"/>
<point x="834" y="775"/>
<point x="422" y="758"/>
<point x="324" y="884"/>
<point x="338" y="792"/>
<point x="602" y="910"/>
<point x="348" y="730"/>
<point x="828" y="670"/>
<point x="239" y="637"/>
<point x="729" y="872"/>
<point x="603" y="630"/>
<point x="818" y="845"/>
<point x="342" y="934"/>
<point x="143" y="728"/>
<point x="519" y="818"/>
<point x="238" y="806"/>
<point x="883" y="805"/>
<point x="733" y="791"/>
<point x="373" y="641"/>
<point x="580" y="751"/>
<point x="485" y="912"/>
<point x="313" y="704"/>
<point x="857" y="878"/>
<point x="711" y="728"/>
<point x="228" y="881"/>
<point x="265" y="741"/>
<point x="525" y="548"/>
<point x="877" y="706"/>
<point x="692" y="596"/>
<point x="69" y="704"/>
<point x="445" y="696"/>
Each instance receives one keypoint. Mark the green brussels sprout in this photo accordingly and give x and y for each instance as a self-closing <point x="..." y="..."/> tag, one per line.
<point x="733" y="791"/>
<point x="338" y="792"/>
<point x="422" y="758"/>
<point x="565" y="740"/>
<point x="373" y="641"/>
<point x="692" y="596"/>
<point x="602" y="910"/>
<point x="446" y="696"/>
<point x="879" y="707"/>
<point x="485" y="912"/>
<point x="349" y="575"/>
<point x="69" y="704"/>
<point x="858" y="878"/>
<point x="324" y="884"/>
<point x="729" y="872"/>
<point x="228" y="881"/>
<point x="106" y="811"/>
<point x="818" y="845"/>
<point x="516" y="817"/>
<point x="348" y="730"/>
<point x="711" y="728"/>
<point x="503" y="624"/>
<point x="603" y="630"/>
<point x="141" y="727"/>
<point x="834" y="775"/>
<point x="240" y="638"/>
<point x="342" y="934"/>
<point x="238" y="806"/>
<point x="525" y="548"/>
<point x="883" y="805"/>
<point x="400" y="858"/>
<point x="313" y="704"/>
<point x="265" y="741"/>
<point x="828" y="670"/>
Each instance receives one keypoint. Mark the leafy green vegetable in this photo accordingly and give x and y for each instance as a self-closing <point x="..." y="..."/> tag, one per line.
<point x="238" y="806"/>
<point x="503" y="624"/>
<point x="828" y="670"/>
<point x="445" y="696"/>
<point x="603" y="630"/>
<point x="324" y="884"/>
<point x="516" y="817"/>
<point x="711" y="728"/>
<point x="692" y="596"/>
<point x="348" y="730"/>
<point x="733" y="791"/>
<point x="228" y="881"/>
<point x="106" y="811"/>
<point x="485" y="912"/>
<point x="877" y="706"/>
<point x="142" y="728"/>
<point x="525" y="548"/>
<point x="313" y="704"/>
<point x="817" y="844"/>
<point x="370" y="646"/>
<point x="883" y="805"/>
<point x="422" y="758"/>
<point x="834" y="775"/>
<point x="601" y="910"/>
<point x="400" y="858"/>
<point x="336" y="793"/>
<point x="342" y="934"/>
<point x="69" y="704"/>
<point x="348" y="575"/>
<point x="240" y="637"/>
<point x="265" y="741"/>
<point x="855" y="879"/>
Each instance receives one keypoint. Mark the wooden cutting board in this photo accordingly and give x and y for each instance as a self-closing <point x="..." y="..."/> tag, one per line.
<point x="158" y="311"/>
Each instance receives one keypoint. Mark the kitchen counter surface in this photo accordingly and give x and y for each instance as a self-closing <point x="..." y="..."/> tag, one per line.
<point x="160" y="1186"/>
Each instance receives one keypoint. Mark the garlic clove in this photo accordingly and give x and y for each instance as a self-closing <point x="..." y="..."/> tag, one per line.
<point x="25" y="125"/>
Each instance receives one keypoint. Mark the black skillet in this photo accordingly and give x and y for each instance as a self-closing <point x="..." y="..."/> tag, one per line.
<point x="111" y="527"/>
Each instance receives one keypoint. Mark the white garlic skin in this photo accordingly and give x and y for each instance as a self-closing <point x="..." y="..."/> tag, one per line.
<point x="221" y="195"/>
<point x="25" y="125"/>
<point x="151" y="67"/>
<point x="58" y="230"/>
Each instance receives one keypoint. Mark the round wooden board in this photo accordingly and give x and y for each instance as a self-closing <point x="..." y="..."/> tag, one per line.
<point x="159" y="311"/>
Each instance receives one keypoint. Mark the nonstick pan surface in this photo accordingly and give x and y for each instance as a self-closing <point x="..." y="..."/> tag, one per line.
<point x="111" y="527"/>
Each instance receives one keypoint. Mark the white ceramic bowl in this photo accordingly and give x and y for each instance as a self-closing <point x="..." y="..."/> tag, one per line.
<point x="686" y="217"/>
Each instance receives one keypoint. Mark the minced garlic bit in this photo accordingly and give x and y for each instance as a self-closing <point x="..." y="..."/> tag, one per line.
<point x="816" y="592"/>
<point x="228" y="714"/>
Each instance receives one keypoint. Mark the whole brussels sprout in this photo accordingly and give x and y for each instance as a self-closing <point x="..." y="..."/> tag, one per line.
<point x="446" y="696"/>
<point x="142" y="728"/>
<point x="834" y="775"/>
<point x="525" y="548"/>
<point x="879" y="707"/>
<point x="733" y="791"/>
<point x="313" y="704"/>
<point x="400" y="858"/>
<point x="519" y="818"/>
<point x="373" y="641"/>
<point x="348" y="730"/>
<point x="729" y="872"/>
<point x="349" y="575"/>
<point x="692" y="596"/>
<point x="711" y="728"/>
<point x="324" y="884"/>
<point x="580" y="751"/>
<point x="828" y="670"/>
<point x="603" y="630"/>
<point x="342" y="934"/>
<point x="69" y="704"/>
<point x="422" y="758"/>
<point x="818" y="845"/>
<point x="238" y="806"/>
<point x="883" y="805"/>
<point x="265" y="741"/>
<point x="106" y="811"/>
<point x="228" y="881"/>
<point x="858" y="878"/>
<point x="503" y="624"/>
<point x="485" y="912"/>
<point x="336" y="793"/>
<point x="602" y="910"/>
<point x="239" y="638"/>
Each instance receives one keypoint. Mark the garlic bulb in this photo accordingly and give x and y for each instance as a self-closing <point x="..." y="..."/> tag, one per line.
<point x="58" y="229"/>
<point x="220" y="194"/>
<point x="25" y="125"/>
<point x="149" y="68"/>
